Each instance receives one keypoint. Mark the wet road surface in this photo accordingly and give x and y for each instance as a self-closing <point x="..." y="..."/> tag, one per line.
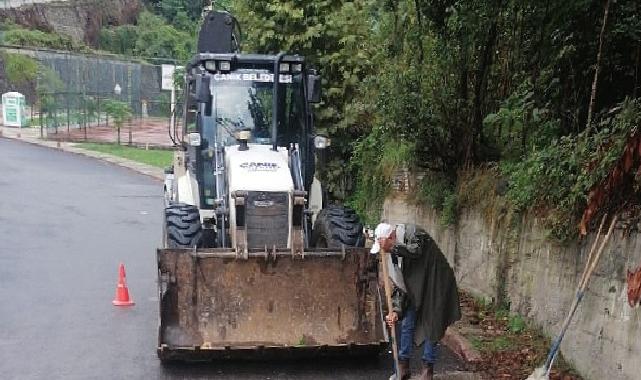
<point x="66" y="222"/>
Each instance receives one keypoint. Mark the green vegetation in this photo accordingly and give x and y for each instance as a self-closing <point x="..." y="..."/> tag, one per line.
<point x="19" y="69"/>
<point x="16" y="35"/>
<point x="336" y="37"/>
<point x="494" y="344"/>
<point x="151" y="37"/>
<point x="439" y="191"/>
<point x="508" y="345"/>
<point x="120" y="112"/>
<point x="183" y="14"/>
<point x="494" y="100"/>
<point x="60" y="119"/>
<point x="158" y="158"/>
<point x="383" y="160"/>
<point x="506" y="330"/>
<point x="466" y="86"/>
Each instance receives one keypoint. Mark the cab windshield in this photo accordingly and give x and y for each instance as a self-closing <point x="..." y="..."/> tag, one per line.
<point x="242" y="100"/>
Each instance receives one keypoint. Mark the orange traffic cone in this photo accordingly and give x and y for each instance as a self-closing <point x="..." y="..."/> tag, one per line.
<point x="122" y="292"/>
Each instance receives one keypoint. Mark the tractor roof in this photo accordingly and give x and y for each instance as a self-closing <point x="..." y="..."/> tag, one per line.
<point x="245" y="58"/>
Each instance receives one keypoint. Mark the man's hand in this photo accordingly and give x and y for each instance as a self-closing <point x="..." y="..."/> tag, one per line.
<point x="391" y="319"/>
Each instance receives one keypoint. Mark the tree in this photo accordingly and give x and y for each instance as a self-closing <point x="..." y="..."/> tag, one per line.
<point x="120" y="112"/>
<point x="444" y="85"/>
<point x="152" y="37"/>
<point x="48" y="85"/>
<point x="331" y="35"/>
<point x="19" y="69"/>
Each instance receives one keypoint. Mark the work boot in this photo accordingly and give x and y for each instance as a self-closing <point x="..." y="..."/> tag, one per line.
<point x="428" y="371"/>
<point x="403" y="371"/>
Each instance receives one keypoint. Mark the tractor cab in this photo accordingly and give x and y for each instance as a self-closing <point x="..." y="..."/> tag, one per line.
<point x="240" y="95"/>
<point x="249" y="112"/>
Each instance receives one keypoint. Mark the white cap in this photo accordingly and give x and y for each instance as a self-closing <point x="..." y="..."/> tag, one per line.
<point x="382" y="231"/>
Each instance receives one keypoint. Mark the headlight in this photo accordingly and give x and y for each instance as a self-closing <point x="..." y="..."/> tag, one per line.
<point x="194" y="139"/>
<point x="224" y="65"/>
<point x="284" y="67"/>
<point x="210" y="65"/>
<point x="243" y="135"/>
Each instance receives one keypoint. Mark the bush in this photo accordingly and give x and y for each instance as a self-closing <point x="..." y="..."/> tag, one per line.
<point x="449" y="213"/>
<point x="439" y="192"/>
<point x="152" y="37"/>
<point x="377" y="160"/>
<point x="119" y="40"/>
<point x="20" y="69"/>
<point x="555" y="180"/>
<point x="519" y="126"/>
<point x="37" y="38"/>
<point x="434" y="189"/>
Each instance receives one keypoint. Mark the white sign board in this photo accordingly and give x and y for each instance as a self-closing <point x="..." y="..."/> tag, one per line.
<point x="167" y="81"/>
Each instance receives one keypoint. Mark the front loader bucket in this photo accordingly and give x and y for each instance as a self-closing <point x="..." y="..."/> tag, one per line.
<point x="214" y="305"/>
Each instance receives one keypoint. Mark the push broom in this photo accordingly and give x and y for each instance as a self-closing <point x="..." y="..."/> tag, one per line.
<point x="543" y="372"/>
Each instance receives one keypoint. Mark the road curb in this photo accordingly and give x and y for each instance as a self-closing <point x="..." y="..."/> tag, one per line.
<point x="458" y="376"/>
<point x="147" y="170"/>
<point x="461" y="346"/>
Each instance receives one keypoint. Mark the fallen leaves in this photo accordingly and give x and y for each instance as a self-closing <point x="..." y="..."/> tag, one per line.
<point x="505" y="354"/>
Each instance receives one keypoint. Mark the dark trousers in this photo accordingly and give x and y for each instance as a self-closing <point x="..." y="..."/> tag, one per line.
<point x="406" y="342"/>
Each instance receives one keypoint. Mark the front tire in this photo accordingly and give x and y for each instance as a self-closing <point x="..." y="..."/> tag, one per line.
<point x="182" y="226"/>
<point x="337" y="226"/>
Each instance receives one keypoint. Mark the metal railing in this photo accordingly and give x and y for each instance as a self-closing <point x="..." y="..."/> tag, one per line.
<point x="71" y="116"/>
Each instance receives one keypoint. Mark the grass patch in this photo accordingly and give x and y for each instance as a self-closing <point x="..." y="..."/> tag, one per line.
<point x="153" y="157"/>
<point x="495" y="344"/>
<point x="16" y="35"/>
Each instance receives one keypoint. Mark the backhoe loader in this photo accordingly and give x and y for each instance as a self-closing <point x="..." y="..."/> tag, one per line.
<point x="254" y="263"/>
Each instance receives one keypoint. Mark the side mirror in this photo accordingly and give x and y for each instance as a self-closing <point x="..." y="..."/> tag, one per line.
<point x="322" y="142"/>
<point x="313" y="87"/>
<point x="194" y="139"/>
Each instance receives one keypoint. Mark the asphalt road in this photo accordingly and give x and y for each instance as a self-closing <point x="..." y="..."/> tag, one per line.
<point x="66" y="222"/>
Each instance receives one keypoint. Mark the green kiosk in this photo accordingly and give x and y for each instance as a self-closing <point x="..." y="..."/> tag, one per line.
<point x="14" y="110"/>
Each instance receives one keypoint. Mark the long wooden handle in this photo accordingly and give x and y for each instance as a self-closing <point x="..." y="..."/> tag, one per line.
<point x="590" y="266"/>
<point x="388" y="297"/>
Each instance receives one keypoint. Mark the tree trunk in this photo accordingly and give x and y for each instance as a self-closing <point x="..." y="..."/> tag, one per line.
<point x="597" y="69"/>
<point x="636" y="72"/>
<point x="485" y="63"/>
<point x="420" y="28"/>
<point x="118" y="129"/>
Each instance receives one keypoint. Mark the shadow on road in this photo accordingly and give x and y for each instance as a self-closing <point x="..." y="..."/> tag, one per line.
<point x="345" y="368"/>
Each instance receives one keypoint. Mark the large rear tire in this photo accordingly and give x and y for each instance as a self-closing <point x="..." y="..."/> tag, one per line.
<point x="337" y="226"/>
<point x="182" y="226"/>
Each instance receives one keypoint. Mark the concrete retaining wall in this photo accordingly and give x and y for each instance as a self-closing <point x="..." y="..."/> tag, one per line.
<point x="518" y="264"/>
